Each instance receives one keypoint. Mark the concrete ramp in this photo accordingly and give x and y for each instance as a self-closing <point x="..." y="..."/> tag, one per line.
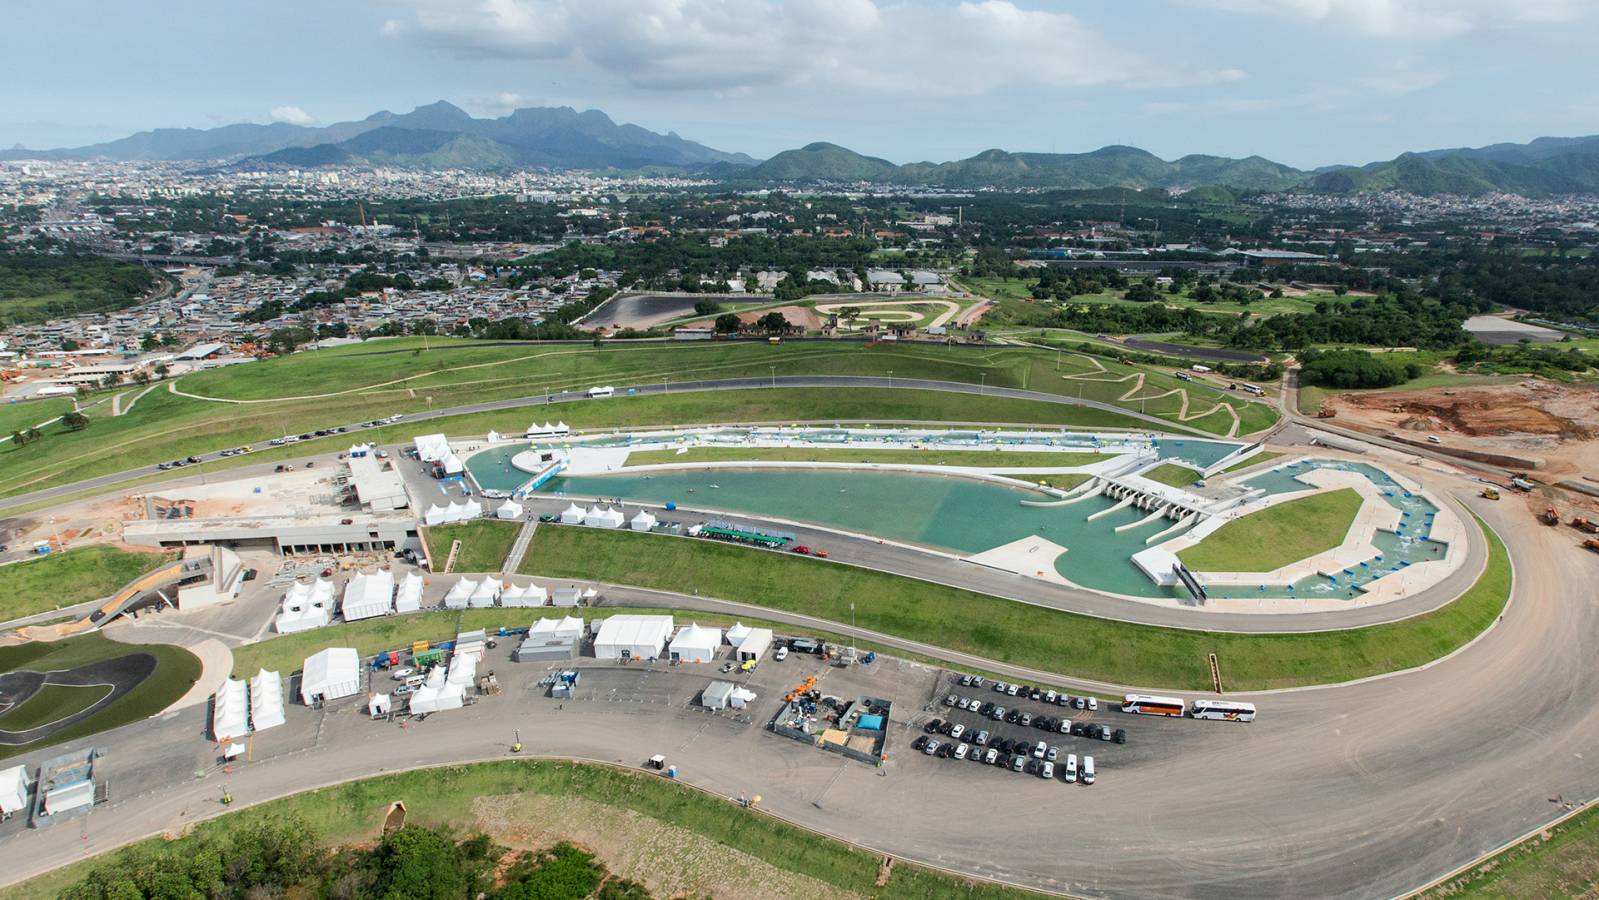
<point x="1126" y="502"/>
<point x="167" y="576"/>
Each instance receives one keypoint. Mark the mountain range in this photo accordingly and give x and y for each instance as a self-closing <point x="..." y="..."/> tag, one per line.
<point x="440" y="135"/>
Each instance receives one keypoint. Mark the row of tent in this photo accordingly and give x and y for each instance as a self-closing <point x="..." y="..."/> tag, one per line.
<point x="606" y="517"/>
<point x="469" y="592"/>
<point x="308" y="605"/>
<point x="241" y="708"/>
<point x="452" y="513"/>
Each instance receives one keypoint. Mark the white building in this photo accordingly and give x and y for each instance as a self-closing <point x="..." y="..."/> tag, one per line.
<point x="305" y="606"/>
<point x="516" y="595"/>
<point x="695" y="643"/>
<point x="484" y="595"/>
<point x="632" y="637"/>
<point x="642" y="522"/>
<point x="460" y="594"/>
<point x="408" y="597"/>
<point x="603" y="517"/>
<point x="230" y="712"/>
<point x="266" y="700"/>
<point x="754" y="644"/>
<point x="568" y="628"/>
<point x="330" y="674"/>
<point x="368" y="595"/>
<point x="13" y="791"/>
<point x="432" y="447"/>
<point x="375" y="485"/>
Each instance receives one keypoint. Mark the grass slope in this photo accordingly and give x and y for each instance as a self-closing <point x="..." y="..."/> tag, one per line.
<point x="484" y="544"/>
<point x="175" y="672"/>
<point x="62" y="579"/>
<point x="1173" y="475"/>
<point x="976" y="458"/>
<point x="1263" y="456"/>
<point x="1558" y="862"/>
<point x="1278" y="535"/>
<point x="354" y="812"/>
<point x="51" y="703"/>
<point x="1005" y="630"/>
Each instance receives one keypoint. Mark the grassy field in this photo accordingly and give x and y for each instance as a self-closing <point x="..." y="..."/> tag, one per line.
<point x="52" y="702"/>
<point x="975" y="458"/>
<point x="175" y="672"/>
<point x="1015" y="632"/>
<point x="1173" y="475"/>
<point x="1559" y="862"/>
<point x="354" y="812"/>
<point x="1261" y="457"/>
<point x="1022" y="289"/>
<point x="484" y="544"/>
<point x="1278" y="535"/>
<point x="380" y="378"/>
<point x="63" y="579"/>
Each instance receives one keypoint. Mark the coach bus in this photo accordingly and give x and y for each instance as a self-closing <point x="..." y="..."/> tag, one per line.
<point x="1152" y="706"/>
<point x="1224" y="710"/>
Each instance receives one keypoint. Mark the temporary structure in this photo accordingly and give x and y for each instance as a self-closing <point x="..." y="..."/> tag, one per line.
<point x="755" y="643"/>
<point x="431" y="447"/>
<point x="378" y="705"/>
<point x="488" y="590"/>
<point x="437" y="693"/>
<point x="567" y="596"/>
<point x="359" y="450"/>
<point x="451" y="464"/>
<point x="570" y="627"/>
<point x="642" y="522"/>
<point x="741" y="697"/>
<point x="515" y="595"/>
<point x="230" y="714"/>
<point x="408" y="598"/>
<point x="632" y="637"/>
<point x="368" y="595"/>
<point x="694" y="643"/>
<point x="436" y="515"/>
<point x="463" y="511"/>
<point x="737" y="633"/>
<point x="471" y="644"/>
<point x="717" y="694"/>
<point x="305" y="606"/>
<point x="330" y="674"/>
<point x="572" y="515"/>
<point x="603" y="517"/>
<point x="266" y="700"/>
<point x="510" y="509"/>
<point x="559" y="429"/>
<point x="460" y="594"/>
<point x="13" y="790"/>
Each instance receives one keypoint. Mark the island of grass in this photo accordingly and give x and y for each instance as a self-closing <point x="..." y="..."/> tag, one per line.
<point x="1019" y="633"/>
<point x="1172" y="474"/>
<point x="1271" y="538"/>
<point x="484" y="544"/>
<point x="985" y="459"/>
<point x="64" y="579"/>
<point x="52" y="703"/>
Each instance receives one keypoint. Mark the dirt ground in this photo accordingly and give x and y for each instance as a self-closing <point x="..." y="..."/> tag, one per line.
<point x="802" y="316"/>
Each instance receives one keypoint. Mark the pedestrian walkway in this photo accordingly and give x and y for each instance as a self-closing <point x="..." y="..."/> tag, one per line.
<point x="524" y="539"/>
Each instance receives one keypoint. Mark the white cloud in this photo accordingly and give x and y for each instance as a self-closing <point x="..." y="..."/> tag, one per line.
<point x="1399" y="78"/>
<point x="293" y="115"/>
<point x="733" y="46"/>
<point x="1412" y="18"/>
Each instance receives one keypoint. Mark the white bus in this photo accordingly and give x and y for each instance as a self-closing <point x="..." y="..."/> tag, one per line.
<point x="1225" y="710"/>
<point x="1153" y="706"/>
<point x="597" y="392"/>
<point x="1255" y="389"/>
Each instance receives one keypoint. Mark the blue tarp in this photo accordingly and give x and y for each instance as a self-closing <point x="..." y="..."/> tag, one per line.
<point x="870" y="723"/>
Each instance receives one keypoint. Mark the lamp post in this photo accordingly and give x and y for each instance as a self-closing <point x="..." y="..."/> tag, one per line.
<point x="890" y="377"/>
<point x="774" y="376"/>
<point x="983" y="383"/>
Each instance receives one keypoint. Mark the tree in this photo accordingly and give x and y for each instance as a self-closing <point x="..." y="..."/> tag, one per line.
<point x="142" y="376"/>
<point x="75" y="421"/>
<point x="773" y="323"/>
<point x="18" y="438"/>
<point x="706" y="307"/>
<point x="727" y="323"/>
<point x="162" y="369"/>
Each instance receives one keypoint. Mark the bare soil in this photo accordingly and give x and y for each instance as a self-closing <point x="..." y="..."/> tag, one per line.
<point x="802" y="316"/>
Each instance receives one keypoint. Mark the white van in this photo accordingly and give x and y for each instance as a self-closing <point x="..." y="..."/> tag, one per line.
<point x="1071" y="768"/>
<point x="597" y="392"/>
<point x="1088" y="770"/>
<point x="415" y="681"/>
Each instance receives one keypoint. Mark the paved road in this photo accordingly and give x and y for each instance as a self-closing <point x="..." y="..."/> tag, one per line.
<point x="354" y="429"/>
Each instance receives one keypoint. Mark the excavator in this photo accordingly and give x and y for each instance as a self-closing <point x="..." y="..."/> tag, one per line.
<point x="1550" y="516"/>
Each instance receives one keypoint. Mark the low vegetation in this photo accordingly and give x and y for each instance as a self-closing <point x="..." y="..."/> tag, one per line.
<point x="484" y="544"/>
<point x="52" y="703"/>
<point x="1013" y="632"/>
<point x="64" y="579"/>
<point x="1173" y="475"/>
<point x="989" y="459"/>
<point x="1278" y="535"/>
<point x="1562" y="861"/>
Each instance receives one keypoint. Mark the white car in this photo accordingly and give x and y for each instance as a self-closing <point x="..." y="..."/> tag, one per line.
<point x="962" y="750"/>
<point x="1093" y="703"/>
<point x="402" y="674"/>
<point x="781" y="654"/>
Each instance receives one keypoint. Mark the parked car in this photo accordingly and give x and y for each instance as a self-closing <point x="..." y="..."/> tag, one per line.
<point x="1064" y="699"/>
<point x="981" y="739"/>
<point x="1040" y="749"/>
<point x="986" y="708"/>
<point x="999" y="687"/>
<point x="919" y="743"/>
<point x="933" y="725"/>
<point x="949" y="700"/>
<point x="1052" y="754"/>
<point x="1064" y="727"/>
<point x="930" y="748"/>
<point x="1018" y="763"/>
<point x="991" y="756"/>
<point x="1025" y="719"/>
<point x="1080" y="702"/>
<point x="781" y="654"/>
<point x="1049" y="696"/>
<point x="977" y="680"/>
<point x="402" y="673"/>
<point x="957" y="731"/>
<point x="966" y="681"/>
<point x="945" y="750"/>
<point x="1119" y="735"/>
<point x="961" y="750"/>
<point x="998" y="713"/>
<point x="1012" y="689"/>
<point x="1071" y="768"/>
<point x="1093" y="704"/>
<point x="1047" y="770"/>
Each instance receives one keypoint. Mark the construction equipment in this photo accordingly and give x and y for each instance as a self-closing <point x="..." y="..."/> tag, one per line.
<point x="1489" y="493"/>
<point x="804" y="687"/>
<point x="1326" y="413"/>
<point x="1520" y="483"/>
<point x="1550" y="516"/>
<point x="1581" y="524"/>
<point x="1591" y="544"/>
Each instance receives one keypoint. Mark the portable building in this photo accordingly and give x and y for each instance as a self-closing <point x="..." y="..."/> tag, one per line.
<point x="266" y="700"/>
<point x="695" y="643"/>
<point x="567" y="628"/>
<point x="230" y="712"/>
<point x="632" y="637"/>
<point x="471" y="644"/>
<point x="13" y="790"/>
<point x="330" y="674"/>
<point x="717" y="695"/>
<point x="69" y="795"/>
<point x="537" y="648"/>
<point x="378" y="705"/>
<point x="567" y="596"/>
<point x="368" y="595"/>
<point x="754" y="644"/>
<point x="603" y="517"/>
<point x="408" y="596"/>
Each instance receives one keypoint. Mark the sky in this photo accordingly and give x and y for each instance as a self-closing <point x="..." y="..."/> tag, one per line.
<point x="1304" y="82"/>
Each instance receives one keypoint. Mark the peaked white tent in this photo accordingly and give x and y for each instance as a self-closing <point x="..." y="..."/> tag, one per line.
<point x="559" y="429"/>
<point x="603" y="517"/>
<point x="305" y="607"/>
<point x="368" y="595"/>
<point x="463" y="511"/>
<point x="13" y="790"/>
<point x="568" y="628"/>
<point x="436" y="515"/>
<point x="408" y="597"/>
<point x="493" y="437"/>
<point x="460" y="594"/>
<point x="437" y="693"/>
<point x="378" y="705"/>
<point x="230" y="714"/>
<point x="451" y="464"/>
<point x="572" y="515"/>
<point x="266" y="700"/>
<point x="510" y="509"/>
<point x="431" y="447"/>
<point x="487" y="591"/>
<point x="330" y="674"/>
<point x="531" y="595"/>
<point x="737" y="633"/>
<point x="642" y="522"/>
<point x="359" y="450"/>
<point x="695" y="643"/>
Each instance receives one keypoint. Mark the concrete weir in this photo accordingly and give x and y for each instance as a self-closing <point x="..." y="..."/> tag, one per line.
<point x="1182" y="523"/>
<point x="1125" y="502"/>
<point x="1159" y="511"/>
<point x="1077" y="494"/>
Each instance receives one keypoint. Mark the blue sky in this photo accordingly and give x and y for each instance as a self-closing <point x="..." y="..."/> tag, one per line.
<point x="1305" y="82"/>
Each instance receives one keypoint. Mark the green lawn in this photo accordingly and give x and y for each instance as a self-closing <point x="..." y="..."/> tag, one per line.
<point x="1559" y="862"/>
<point x="63" y="579"/>
<point x="975" y="458"/>
<point x="1008" y="631"/>
<point x="1261" y="457"/>
<point x="176" y="671"/>
<point x="445" y="796"/>
<point x="484" y="544"/>
<point x="51" y="703"/>
<point x="1278" y="535"/>
<point x="1173" y="475"/>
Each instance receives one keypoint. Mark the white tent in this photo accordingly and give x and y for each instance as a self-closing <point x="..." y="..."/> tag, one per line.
<point x="305" y="607"/>
<point x="463" y="511"/>
<point x="737" y="633"/>
<point x="510" y="509"/>
<point x="367" y="595"/>
<point x="451" y="464"/>
<point x="754" y="644"/>
<point x="431" y="447"/>
<point x="532" y="595"/>
<point x="378" y="705"/>
<point x="493" y="437"/>
<point x="437" y="693"/>
<point x="572" y="515"/>
<point x="230" y="714"/>
<point x="629" y="636"/>
<point x="460" y="594"/>
<point x="488" y="590"/>
<point x="559" y="429"/>
<point x="463" y="669"/>
<point x="603" y="517"/>
<point x="741" y="697"/>
<point x="436" y="515"/>
<point x="570" y="627"/>
<point x="567" y="596"/>
<point x="694" y="643"/>
<point x="359" y="450"/>
<point x="13" y="790"/>
<point x="330" y="674"/>
<point x="642" y="522"/>
<point x="408" y="598"/>
<point x="266" y="700"/>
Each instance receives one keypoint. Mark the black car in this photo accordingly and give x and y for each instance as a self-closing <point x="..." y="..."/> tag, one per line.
<point x="944" y="750"/>
<point x="933" y="726"/>
<point x="946" y="728"/>
<point x="1080" y="729"/>
<point x="1012" y="716"/>
<point x="919" y="743"/>
<point x="986" y="709"/>
<point x="1036" y="694"/>
<point x="1119" y="735"/>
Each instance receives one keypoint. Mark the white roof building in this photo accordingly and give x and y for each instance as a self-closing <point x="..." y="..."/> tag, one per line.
<point x="460" y="594"/>
<point x="572" y="515"/>
<point x="737" y="633"/>
<point x="330" y="674"/>
<point x="487" y="591"/>
<point x="531" y="595"/>
<point x="266" y="700"/>
<point x="642" y="522"/>
<point x="13" y="790"/>
<point x="603" y="517"/>
<point x="632" y="636"/>
<point x="368" y="595"/>
<point x="754" y="644"/>
<point x="431" y="447"/>
<point x="376" y="486"/>
<point x="568" y="628"/>
<point x="408" y="597"/>
<point x="694" y="643"/>
<point x="510" y="509"/>
<point x="230" y="713"/>
<point x="305" y="606"/>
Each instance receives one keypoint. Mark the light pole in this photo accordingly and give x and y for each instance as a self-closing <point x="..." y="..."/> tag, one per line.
<point x="983" y="384"/>
<point x="890" y="377"/>
<point x="666" y="386"/>
<point x="774" y="376"/>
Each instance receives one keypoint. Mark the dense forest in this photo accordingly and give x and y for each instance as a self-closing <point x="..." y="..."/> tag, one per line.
<point x="36" y="286"/>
